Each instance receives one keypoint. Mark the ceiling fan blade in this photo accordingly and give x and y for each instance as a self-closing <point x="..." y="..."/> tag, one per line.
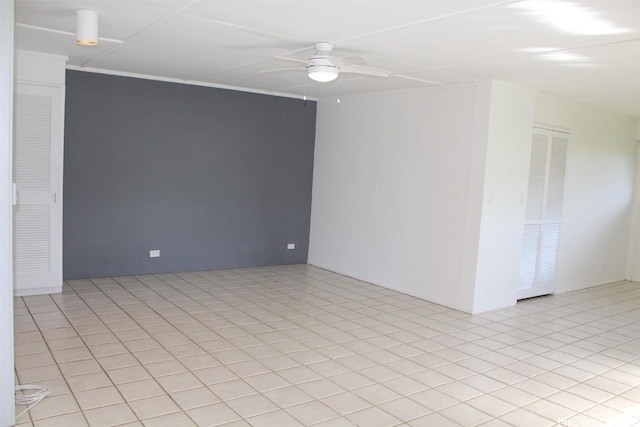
<point x="431" y="82"/>
<point x="343" y="61"/>
<point x="286" y="58"/>
<point x="365" y="71"/>
<point x="280" y="70"/>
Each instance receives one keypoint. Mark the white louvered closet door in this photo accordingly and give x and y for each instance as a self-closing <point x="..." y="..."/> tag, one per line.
<point x="543" y="213"/>
<point x="37" y="211"/>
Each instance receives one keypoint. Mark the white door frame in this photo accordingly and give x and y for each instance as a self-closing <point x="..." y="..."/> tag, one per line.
<point x="7" y="407"/>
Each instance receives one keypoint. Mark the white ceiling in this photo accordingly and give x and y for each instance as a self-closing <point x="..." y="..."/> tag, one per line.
<point x="423" y="43"/>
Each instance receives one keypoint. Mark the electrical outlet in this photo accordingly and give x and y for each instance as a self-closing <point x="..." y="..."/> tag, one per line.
<point x="154" y="253"/>
<point x="291" y="245"/>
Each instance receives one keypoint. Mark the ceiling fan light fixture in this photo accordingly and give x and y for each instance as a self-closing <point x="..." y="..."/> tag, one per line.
<point x="322" y="73"/>
<point x="86" y="27"/>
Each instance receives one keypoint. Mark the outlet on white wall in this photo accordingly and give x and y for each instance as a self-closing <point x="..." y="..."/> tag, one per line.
<point x="154" y="253"/>
<point x="291" y="245"/>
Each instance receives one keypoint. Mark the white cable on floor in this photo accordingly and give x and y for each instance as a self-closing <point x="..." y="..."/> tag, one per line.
<point x="39" y="393"/>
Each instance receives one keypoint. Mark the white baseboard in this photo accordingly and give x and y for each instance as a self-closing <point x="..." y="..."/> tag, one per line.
<point x="37" y="291"/>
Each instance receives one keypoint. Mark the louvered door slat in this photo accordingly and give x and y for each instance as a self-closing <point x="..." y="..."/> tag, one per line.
<point x="37" y="228"/>
<point x="543" y="213"/>
<point x="537" y="176"/>
<point x="555" y="186"/>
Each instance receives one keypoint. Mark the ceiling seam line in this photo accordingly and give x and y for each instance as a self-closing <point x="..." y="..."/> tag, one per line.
<point x="142" y="31"/>
<point x="432" y="19"/>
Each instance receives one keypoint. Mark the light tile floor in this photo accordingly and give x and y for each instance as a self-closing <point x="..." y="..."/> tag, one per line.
<point x="297" y="345"/>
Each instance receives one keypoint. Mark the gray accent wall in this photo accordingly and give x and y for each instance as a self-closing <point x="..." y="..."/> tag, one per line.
<point x="212" y="178"/>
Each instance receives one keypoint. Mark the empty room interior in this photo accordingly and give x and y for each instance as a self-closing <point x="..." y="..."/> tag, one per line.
<point x="320" y="213"/>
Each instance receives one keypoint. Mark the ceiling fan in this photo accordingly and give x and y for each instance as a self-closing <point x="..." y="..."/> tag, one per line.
<point x="323" y="67"/>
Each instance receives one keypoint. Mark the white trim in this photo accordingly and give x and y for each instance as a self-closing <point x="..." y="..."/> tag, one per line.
<point x="7" y="379"/>
<point x="633" y="250"/>
<point x="38" y="291"/>
<point x="187" y="82"/>
<point x="553" y="128"/>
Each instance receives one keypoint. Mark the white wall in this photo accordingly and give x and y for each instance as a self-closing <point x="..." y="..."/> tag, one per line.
<point x="391" y="191"/>
<point x="509" y="128"/>
<point x="595" y="232"/>
<point x="6" y="287"/>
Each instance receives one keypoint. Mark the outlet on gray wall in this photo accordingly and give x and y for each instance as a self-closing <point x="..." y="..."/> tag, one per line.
<point x="215" y="178"/>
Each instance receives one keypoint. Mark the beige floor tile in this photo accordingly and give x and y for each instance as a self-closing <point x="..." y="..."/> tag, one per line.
<point x="141" y="344"/>
<point x="34" y="360"/>
<point x="495" y="423"/>
<point x="288" y="396"/>
<point x="336" y="422"/>
<point x="434" y="399"/>
<point x="465" y="415"/>
<point x="405" y="409"/>
<point x="80" y="367"/>
<point x="311" y="412"/>
<point x="185" y="350"/>
<point x="52" y="334"/>
<point x="622" y="404"/>
<point x="52" y="406"/>
<point x="320" y="345"/>
<point x="276" y="418"/>
<point x="151" y="407"/>
<point x="74" y="419"/>
<point x="524" y="418"/>
<point x="328" y="368"/>
<point x="491" y="405"/>
<point x="140" y="389"/>
<point x="267" y="382"/>
<point x="321" y="388"/>
<point x="65" y="343"/>
<point x="57" y="386"/>
<point x="433" y="420"/>
<point x="179" y="419"/>
<point x="96" y="328"/>
<point x="374" y="417"/>
<point x="108" y="416"/>
<point x="252" y="405"/>
<point x="117" y="361"/>
<point x="179" y="382"/>
<point x="514" y="396"/>
<point x="376" y="394"/>
<point x="98" y="397"/>
<point x="345" y="403"/>
<point x="97" y="339"/>
<point x="379" y="373"/>
<point x="127" y="375"/>
<point x="571" y="401"/>
<point x="88" y="382"/>
<point x="194" y="398"/>
<point x="214" y="375"/>
<point x="354" y="380"/>
<point x="72" y="355"/>
<point x="213" y="415"/>
<point x="41" y="373"/>
<point x="28" y="337"/>
<point x="248" y="368"/>
<point x="166" y="367"/>
<point x="200" y="361"/>
<point x="298" y="374"/>
<point x="404" y="385"/>
<point x="232" y="389"/>
<point x="153" y="355"/>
